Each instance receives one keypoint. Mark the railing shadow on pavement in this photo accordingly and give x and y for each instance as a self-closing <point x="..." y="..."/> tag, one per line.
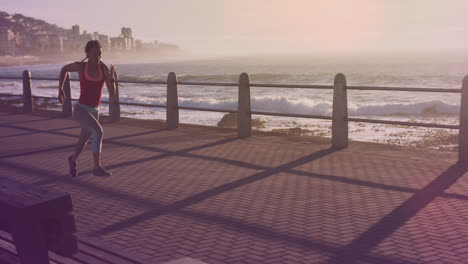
<point x="56" y="132"/>
<point x="185" y="152"/>
<point x="35" y="131"/>
<point x="352" y="252"/>
<point x="362" y="245"/>
<point x="215" y="191"/>
<point x="254" y="229"/>
<point x="371" y="184"/>
<point x="27" y="121"/>
<point x="415" y="204"/>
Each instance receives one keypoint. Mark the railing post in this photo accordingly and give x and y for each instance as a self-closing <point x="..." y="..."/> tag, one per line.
<point x="172" y="102"/>
<point x="67" y="105"/>
<point x="114" y="102"/>
<point x="463" y="133"/>
<point x="340" y="113"/>
<point x="27" y="94"/>
<point x="244" y="116"/>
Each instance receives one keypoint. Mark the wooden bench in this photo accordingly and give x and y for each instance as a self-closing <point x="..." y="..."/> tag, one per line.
<point x="35" y="220"/>
<point x="38" y="220"/>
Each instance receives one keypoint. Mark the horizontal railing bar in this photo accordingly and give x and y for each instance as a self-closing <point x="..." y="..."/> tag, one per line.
<point x="145" y="105"/>
<point x="207" y="109"/>
<point x="44" y="97"/>
<point x="36" y="78"/>
<point x="208" y="84"/>
<point x="11" y="78"/>
<point x="301" y="86"/>
<point x="77" y="80"/>
<point x="103" y="101"/>
<point x="291" y="115"/>
<point x="46" y="79"/>
<point x="4" y="94"/>
<point x="54" y="98"/>
<point x="402" y="123"/>
<point x="404" y="89"/>
<point x="145" y="82"/>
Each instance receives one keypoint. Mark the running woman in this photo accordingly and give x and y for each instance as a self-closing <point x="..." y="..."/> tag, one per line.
<point x="93" y="74"/>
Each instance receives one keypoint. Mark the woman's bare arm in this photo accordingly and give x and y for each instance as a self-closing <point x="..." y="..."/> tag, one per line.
<point x="109" y="78"/>
<point x="72" y="67"/>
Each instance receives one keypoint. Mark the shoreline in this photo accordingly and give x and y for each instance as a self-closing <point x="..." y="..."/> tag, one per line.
<point x="121" y="58"/>
<point x="11" y="61"/>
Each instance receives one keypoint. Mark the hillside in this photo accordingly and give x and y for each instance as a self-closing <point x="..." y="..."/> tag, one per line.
<point x="29" y="25"/>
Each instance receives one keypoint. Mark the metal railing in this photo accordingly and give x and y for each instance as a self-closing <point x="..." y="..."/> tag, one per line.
<point x="244" y="112"/>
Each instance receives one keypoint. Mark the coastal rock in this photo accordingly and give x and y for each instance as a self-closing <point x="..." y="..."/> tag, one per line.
<point x="230" y="121"/>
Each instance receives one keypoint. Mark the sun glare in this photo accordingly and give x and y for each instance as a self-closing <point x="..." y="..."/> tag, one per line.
<point x="306" y="21"/>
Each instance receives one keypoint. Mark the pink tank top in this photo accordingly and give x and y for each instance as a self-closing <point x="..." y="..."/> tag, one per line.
<point x="91" y="88"/>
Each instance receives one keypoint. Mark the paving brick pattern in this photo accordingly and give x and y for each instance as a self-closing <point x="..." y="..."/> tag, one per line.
<point x="205" y="194"/>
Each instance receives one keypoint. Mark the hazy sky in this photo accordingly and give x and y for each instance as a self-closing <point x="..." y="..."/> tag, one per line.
<point x="251" y="26"/>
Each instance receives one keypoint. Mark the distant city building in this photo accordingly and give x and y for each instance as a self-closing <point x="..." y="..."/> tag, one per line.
<point x="20" y="35"/>
<point x="170" y="48"/>
<point x="105" y="41"/>
<point x="86" y="36"/>
<point x="56" y="43"/>
<point x="43" y="43"/>
<point x="117" y="43"/>
<point x="7" y="41"/>
<point x="146" y="46"/>
<point x="76" y="41"/>
<point x="126" y="32"/>
<point x="75" y="32"/>
<point x="20" y="39"/>
<point x="138" y="44"/>
<point x="24" y="43"/>
<point x="123" y="42"/>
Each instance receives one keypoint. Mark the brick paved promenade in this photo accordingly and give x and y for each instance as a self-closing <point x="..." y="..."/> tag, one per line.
<point x="205" y="194"/>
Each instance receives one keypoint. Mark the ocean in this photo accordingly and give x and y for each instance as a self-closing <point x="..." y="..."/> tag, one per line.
<point x="440" y="108"/>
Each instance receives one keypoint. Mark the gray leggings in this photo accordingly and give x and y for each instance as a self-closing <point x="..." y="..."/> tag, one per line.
<point x="89" y="126"/>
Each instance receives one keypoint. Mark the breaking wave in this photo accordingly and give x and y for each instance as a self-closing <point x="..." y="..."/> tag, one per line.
<point x="307" y="106"/>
